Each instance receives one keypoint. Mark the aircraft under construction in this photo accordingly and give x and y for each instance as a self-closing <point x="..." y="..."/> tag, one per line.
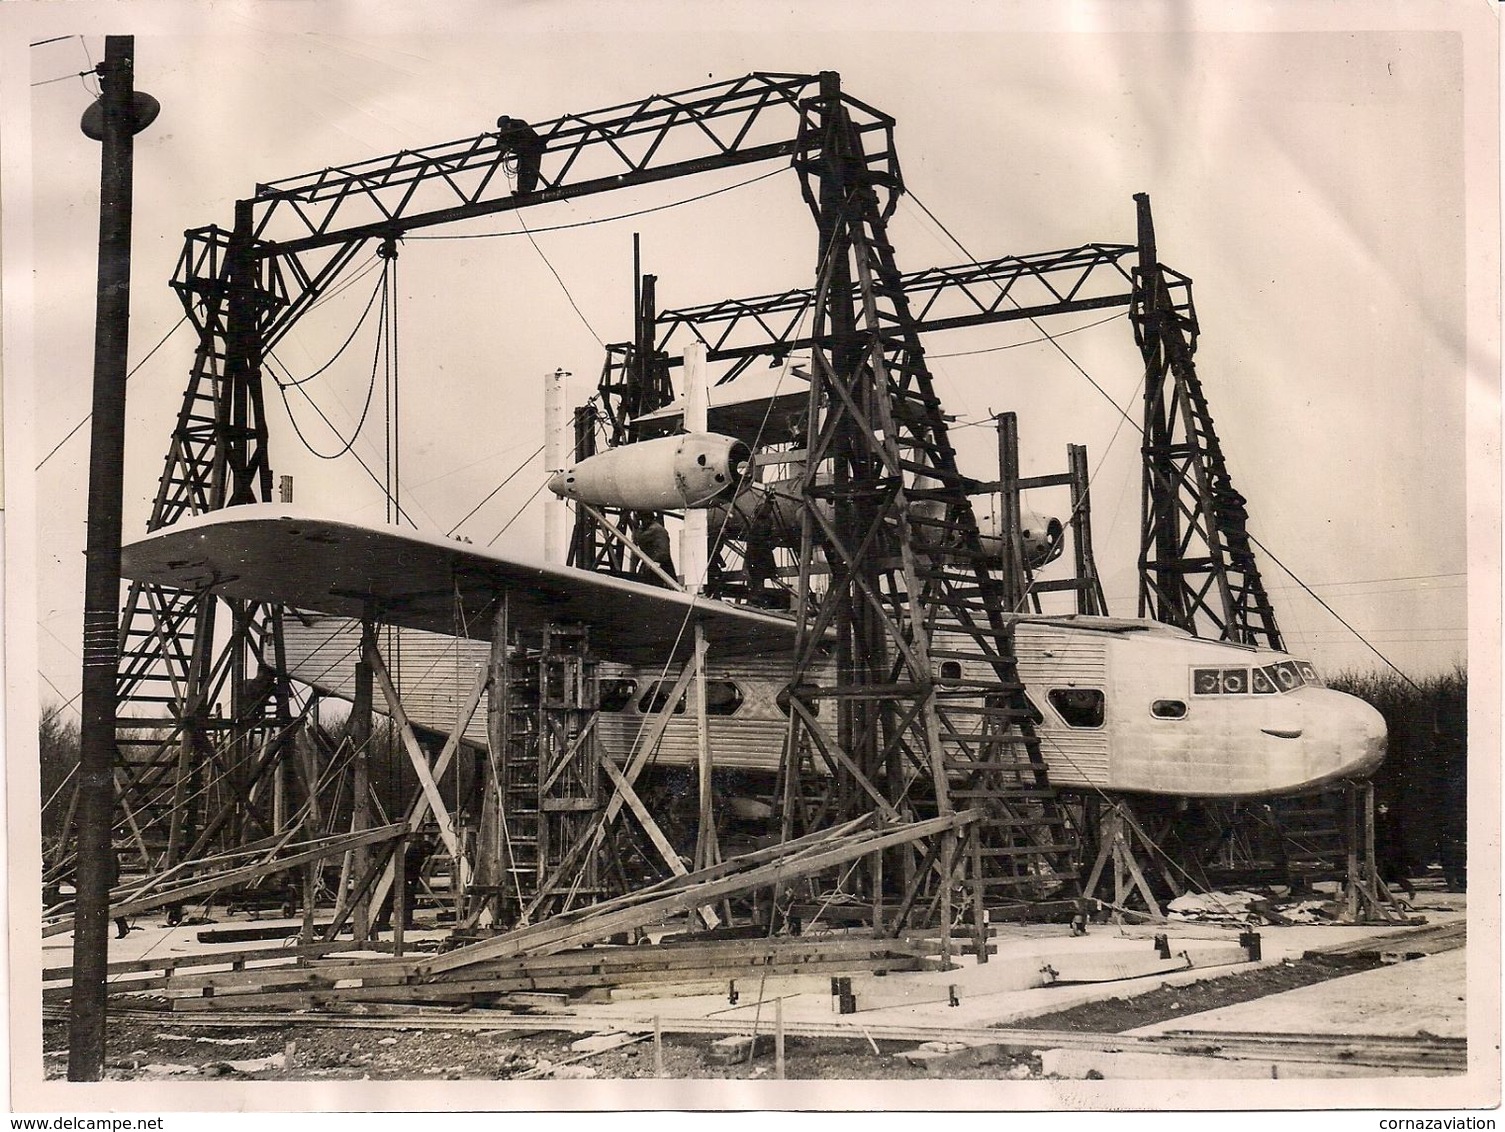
<point x="850" y="636"/>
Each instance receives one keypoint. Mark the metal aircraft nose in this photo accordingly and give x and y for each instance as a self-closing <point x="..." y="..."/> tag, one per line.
<point x="1352" y="729"/>
<point x="1371" y="735"/>
<point x="560" y="483"/>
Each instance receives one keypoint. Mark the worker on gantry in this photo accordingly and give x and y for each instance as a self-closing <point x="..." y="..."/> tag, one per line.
<point x="523" y="140"/>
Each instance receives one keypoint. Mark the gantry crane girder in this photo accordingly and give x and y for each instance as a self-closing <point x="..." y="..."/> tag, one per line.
<point x="1009" y="288"/>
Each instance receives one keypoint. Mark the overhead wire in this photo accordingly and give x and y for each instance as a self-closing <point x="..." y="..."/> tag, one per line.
<point x="129" y="374"/>
<point x="562" y="285"/>
<point x="362" y="272"/>
<point x="61" y="78"/>
<point x="518" y="512"/>
<point x="1397" y="578"/>
<point x="1028" y="342"/>
<point x="347" y="445"/>
<point x="1035" y="322"/>
<point x="371" y="302"/>
<point x="393" y="418"/>
<point x="368" y="265"/>
<point x="93" y="69"/>
<point x="492" y="493"/>
<point x="71" y="699"/>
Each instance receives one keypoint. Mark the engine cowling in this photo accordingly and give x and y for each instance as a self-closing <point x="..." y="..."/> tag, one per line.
<point x="1041" y="537"/>
<point x="688" y="470"/>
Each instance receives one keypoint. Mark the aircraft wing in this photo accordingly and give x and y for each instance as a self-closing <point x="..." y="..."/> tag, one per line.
<point x="274" y="552"/>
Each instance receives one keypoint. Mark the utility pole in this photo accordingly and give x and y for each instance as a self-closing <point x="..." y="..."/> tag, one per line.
<point x="113" y="120"/>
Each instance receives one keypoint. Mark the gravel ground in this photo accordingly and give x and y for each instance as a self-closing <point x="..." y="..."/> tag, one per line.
<point x="150" y="1050"/>
<point x="139" y="1051"/>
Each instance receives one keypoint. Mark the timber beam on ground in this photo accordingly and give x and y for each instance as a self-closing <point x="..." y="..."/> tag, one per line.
<point x="235" y="960"/>
<point x="280" y="978"/>
<point x="1427" y="939"/>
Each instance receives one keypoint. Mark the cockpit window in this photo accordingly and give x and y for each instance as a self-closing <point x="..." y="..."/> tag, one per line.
<point x="1079" y="707"/>
<point x="1220" y="681"/>
<point x="1308" y="674"/>
<point x="1267" y="680"/>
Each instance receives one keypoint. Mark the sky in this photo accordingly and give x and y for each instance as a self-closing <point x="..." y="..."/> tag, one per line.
<point x="1313" y="181"/>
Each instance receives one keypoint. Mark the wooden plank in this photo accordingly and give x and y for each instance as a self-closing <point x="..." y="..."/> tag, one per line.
<point x="651" y="828"/>
<point x="392" y="987"/>
<point x="418" y="809"/>
<point x="602" y="924"/>
<point x="592" y="968"/>
<point x="1109" y="967"/>
<point x="415" y="753"/>
<point x="645" y="819"/>
<point x="749" y="992"/>
<point x="880" y="994"/>
<point x="676" y="883"/>
<point x="215" y="958"/>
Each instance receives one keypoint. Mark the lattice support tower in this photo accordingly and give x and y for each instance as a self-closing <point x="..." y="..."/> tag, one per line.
<point x="890" y="555"/>
<point x="1197" y="565"/>
<point x="191" y="777"/>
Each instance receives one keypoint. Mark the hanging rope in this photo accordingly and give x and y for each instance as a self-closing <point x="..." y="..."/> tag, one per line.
<point x="347" y="445"/>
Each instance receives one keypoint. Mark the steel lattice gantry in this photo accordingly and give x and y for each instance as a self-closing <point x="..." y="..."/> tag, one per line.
<point x="192" y="777"/>
<point x="893" y="521"/>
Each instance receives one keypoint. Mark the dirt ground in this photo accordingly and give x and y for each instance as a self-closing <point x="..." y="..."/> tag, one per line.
<point x="1114" y="1015"/>
<point x="151" y="1050"/>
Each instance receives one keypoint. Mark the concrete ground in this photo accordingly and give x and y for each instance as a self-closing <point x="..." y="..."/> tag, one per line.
<point x="1000" y="992"/>
<point x="1420" y="996"/>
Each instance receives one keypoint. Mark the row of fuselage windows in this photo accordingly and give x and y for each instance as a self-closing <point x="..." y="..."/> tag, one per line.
<point x="722" y="697"/>
<point x="1077" y="707"/>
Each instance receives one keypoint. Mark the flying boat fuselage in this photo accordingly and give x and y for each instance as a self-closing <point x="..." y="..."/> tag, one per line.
<point x="1120" y="704"/>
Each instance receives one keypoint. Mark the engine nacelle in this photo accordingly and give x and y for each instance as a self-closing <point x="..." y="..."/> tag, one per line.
<point x="688" y="470"/>
<point x="770" y="512"/>
<point x="1041" y="535"/>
